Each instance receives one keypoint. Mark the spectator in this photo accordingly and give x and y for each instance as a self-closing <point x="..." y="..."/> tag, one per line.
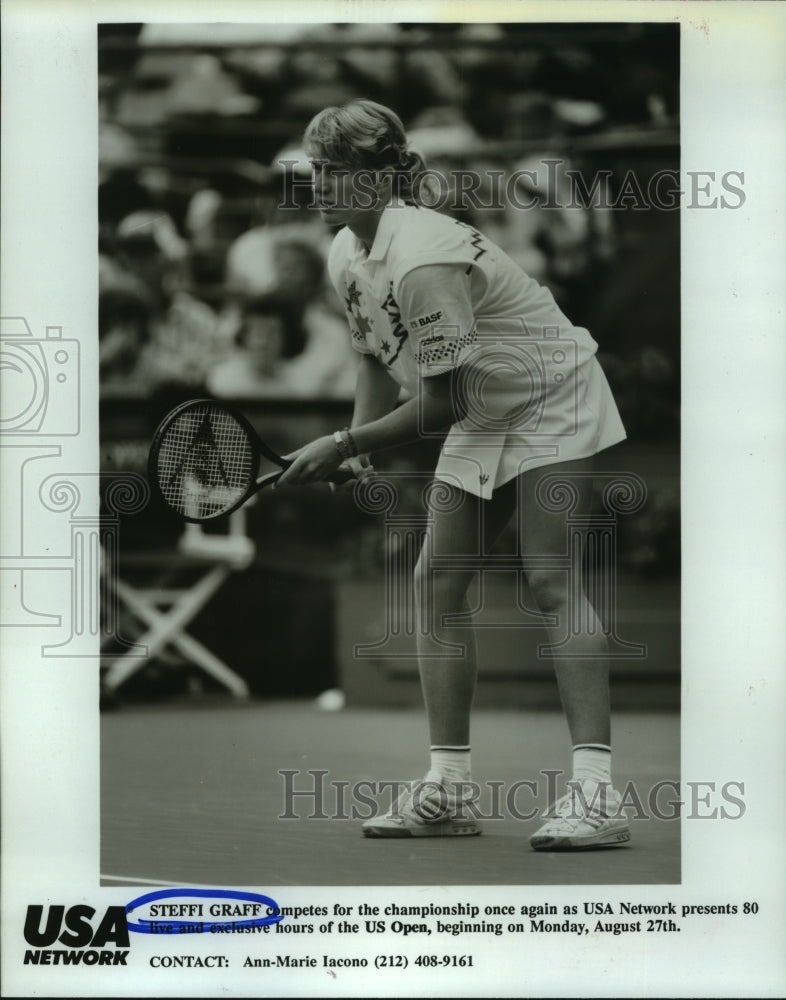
<point x="185" y="341"/>
<point x="261" y="365"/>
<point x="282" y="259"/>
<point x="124" y="316"/>
<point x="328" y="365"/>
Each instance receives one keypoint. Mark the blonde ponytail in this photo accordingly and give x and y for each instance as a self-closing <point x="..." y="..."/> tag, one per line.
<point x="364" y="134"/>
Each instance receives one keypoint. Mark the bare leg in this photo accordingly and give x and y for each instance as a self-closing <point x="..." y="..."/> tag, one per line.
<point x="581" y="667"/>
<point x="448" y="676"/>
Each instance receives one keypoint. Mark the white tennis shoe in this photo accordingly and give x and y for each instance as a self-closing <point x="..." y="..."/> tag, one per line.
<point x="429" y="807"/>
<point x="588" y="815"/>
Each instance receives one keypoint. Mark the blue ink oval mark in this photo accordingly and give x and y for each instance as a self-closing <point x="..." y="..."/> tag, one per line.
<point x="178" y="926"/>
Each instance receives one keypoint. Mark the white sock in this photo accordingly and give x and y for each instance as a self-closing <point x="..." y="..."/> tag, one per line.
<point x="592" y="762"/>
<point x="451" y="762"/>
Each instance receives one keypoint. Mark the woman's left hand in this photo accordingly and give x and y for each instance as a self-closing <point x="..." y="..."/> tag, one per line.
<point x="312" y="463"/>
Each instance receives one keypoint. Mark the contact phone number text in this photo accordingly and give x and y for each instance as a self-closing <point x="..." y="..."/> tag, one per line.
<point x="425" y="961"/>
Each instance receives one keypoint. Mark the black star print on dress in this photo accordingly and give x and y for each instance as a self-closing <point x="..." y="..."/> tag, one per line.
<point x="360" y="324"/>
<point x="353" y="295"/>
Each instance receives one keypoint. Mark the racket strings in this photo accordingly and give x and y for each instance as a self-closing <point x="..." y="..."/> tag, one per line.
<point x="205" y="463"/>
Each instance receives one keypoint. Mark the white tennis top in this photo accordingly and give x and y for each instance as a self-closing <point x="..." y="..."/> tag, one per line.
<point x="433" y="294"/>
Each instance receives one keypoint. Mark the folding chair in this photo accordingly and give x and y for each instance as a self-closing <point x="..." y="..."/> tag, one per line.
<point x="166" y="611"/>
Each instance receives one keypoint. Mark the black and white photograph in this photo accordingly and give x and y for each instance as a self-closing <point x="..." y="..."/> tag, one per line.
<point x="509" y="521"/>
<point x="392" y="501"/>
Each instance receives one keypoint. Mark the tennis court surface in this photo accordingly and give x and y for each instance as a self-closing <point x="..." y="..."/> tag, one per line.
<point x="192" y="795"/>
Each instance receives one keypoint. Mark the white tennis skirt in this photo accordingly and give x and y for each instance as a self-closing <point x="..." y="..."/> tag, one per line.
<point x="513" y="425"/>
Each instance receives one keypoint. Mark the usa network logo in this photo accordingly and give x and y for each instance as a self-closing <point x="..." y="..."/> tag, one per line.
<point x="83" y="939"/>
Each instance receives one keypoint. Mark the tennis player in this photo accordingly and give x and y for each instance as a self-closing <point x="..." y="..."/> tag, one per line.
<point x="483" y="350"/>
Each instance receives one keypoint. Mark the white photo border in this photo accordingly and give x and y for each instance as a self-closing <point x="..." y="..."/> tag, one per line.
<point x="733" y="98"/>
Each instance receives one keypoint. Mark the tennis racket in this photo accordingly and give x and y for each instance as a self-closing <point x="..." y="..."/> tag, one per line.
<point x="206" y="458"/>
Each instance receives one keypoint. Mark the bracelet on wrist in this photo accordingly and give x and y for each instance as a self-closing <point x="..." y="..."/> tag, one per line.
<point x="341" y="446"/>
<point x="350" y="441"/>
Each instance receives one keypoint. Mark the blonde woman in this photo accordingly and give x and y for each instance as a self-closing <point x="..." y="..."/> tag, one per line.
<point x="435" y="307"/>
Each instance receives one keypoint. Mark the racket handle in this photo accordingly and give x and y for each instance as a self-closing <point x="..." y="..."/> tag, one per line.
<point x="338" y="477"/>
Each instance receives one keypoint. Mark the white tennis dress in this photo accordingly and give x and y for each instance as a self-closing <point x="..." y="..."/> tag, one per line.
<point x="433" y="294"/>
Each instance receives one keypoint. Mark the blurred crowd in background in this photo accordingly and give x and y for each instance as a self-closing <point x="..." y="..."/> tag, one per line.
<point x="208" y="284"/>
